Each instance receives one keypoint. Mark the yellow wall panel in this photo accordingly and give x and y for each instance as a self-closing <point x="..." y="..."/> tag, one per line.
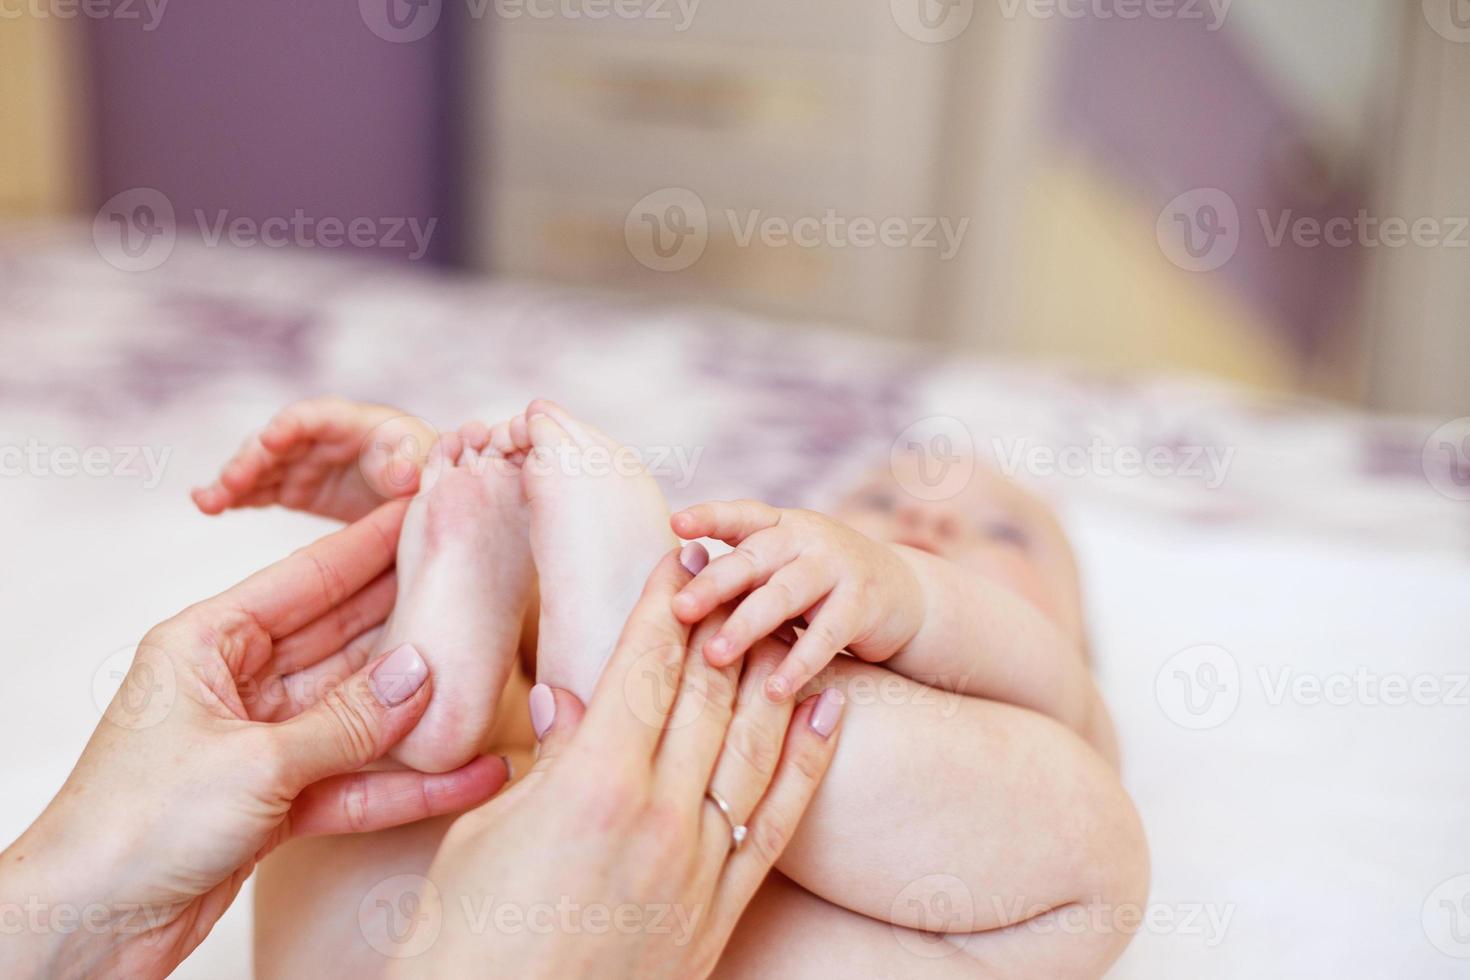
<point x="1097" y="289"/>
<point x="39" y="113"/>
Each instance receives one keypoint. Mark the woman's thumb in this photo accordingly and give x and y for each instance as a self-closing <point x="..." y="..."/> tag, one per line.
<point x="356" y="722"/>
<point x="555" y="715"/>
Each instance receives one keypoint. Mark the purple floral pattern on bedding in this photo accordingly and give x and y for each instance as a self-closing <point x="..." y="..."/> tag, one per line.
<point x="785" y="413"/>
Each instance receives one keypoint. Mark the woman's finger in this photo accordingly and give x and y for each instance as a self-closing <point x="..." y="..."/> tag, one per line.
<point x="736" y="573"/>
<point x="317" y="640"/>
<point x="555" y="717"/>
<point x="355" y="723"/>
<point x="300" y="589"/>
<point x="791" y="591"/>
<point x="305" y="688"/>
<point x="750" y="749"/>
<point x="697" y="725"/>
<point x="635" y="694"/>
<point x="366" y="801"/>
<point x="811" y="741"/>
<point x="730" y="521"/>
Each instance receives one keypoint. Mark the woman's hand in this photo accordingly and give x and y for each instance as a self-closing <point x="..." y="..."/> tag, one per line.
<point x="242" y="723"/>
<point x="608" y="859"/>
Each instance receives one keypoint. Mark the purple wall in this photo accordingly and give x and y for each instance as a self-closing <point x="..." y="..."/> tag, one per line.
<point x="263" y="107"/>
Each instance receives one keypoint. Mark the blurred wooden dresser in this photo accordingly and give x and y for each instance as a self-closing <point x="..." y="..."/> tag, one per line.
<point x="743" y="112"/>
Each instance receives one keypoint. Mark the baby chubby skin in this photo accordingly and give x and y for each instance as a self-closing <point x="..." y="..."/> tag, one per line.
<point x="326" y="456"/>
<point x="464" y="580"/>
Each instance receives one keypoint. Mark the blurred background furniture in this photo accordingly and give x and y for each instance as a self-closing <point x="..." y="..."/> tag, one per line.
<point x="765" y="109"/>
<point x="1062" y="145"/>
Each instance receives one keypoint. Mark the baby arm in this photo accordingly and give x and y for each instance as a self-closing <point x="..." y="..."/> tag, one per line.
<point x="927" y="618"/>
<point x="327" y="456"/>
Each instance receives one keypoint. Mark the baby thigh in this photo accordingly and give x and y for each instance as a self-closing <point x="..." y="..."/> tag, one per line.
<point x="788" y="932"/>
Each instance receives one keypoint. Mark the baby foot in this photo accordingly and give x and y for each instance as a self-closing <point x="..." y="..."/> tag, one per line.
<point x="315" y="456"/>
<point x="464" y="578"/>
<point x="599" y="525"/>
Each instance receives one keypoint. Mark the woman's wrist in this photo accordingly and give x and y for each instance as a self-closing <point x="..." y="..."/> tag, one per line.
<point x="59" y="911"/>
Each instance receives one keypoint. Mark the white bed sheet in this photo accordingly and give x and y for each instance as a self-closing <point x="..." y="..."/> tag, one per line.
<point x="1314" y="833"/>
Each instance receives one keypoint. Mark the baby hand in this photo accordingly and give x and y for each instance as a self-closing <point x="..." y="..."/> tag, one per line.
<point x="326" y="456"/>
<point x="853" y="593"/>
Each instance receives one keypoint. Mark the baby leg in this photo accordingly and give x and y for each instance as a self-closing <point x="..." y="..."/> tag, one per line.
<point x="599" y="524"/>
<point x="464" y="579"/>
<point x="954" y="815"/>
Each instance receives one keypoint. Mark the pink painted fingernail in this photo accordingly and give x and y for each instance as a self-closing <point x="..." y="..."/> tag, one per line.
<point x="827" y="712"/>
<point x="543" y="709"/>
<point x="693" y="557"/>
<point x="401" y="674"/>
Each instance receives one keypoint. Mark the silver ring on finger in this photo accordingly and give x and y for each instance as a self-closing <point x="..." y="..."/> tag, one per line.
<point x="738" y="831"/>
